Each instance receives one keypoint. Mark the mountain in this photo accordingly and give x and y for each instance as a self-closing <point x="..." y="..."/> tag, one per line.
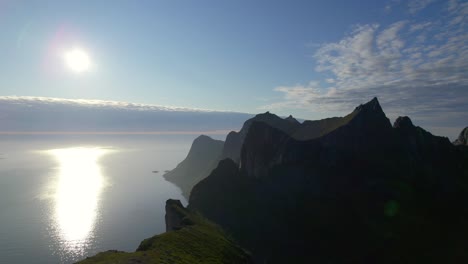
<point x="205" y="152"/>
<point x="200" y="161"/>
<point x="189" y="239"/>
<point x="462" y="138"/>
<point x="198" y="166"/>
<point x="355" y="189"/>
<point x="234" y="140"/>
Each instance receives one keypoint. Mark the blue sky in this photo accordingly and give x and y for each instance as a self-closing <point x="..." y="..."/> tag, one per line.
<point x="312" y="59"/>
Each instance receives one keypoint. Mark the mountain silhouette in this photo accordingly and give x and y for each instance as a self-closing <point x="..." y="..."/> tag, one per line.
<point x="354" y="190"/>
<point x="200" y="161"/>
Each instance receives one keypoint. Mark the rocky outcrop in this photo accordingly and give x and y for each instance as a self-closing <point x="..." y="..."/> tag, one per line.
<point x="462" y="138"/>
<point x="200" y="161"/>
<point x="175" y="215"/>
<point x="358" y="191"/>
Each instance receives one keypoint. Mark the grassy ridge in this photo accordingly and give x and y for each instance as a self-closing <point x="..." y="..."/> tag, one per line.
<point x="197" y="241"/>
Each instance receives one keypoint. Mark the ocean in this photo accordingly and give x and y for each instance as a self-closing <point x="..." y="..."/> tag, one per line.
<point x="66" y="197"/>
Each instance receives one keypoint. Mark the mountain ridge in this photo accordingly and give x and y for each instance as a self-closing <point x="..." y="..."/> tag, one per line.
<point x="365" y="179"/>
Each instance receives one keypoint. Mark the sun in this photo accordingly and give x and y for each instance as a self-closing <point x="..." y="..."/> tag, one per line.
<point x="77" y="60"/>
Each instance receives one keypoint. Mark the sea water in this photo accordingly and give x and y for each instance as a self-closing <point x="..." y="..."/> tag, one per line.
<point x="66" y="197"/>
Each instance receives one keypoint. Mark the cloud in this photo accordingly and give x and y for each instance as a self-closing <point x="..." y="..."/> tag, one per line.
<point x="415" y="6"/>
<point x="92" y="103"/>
<point x="419" y="26"/>
<point x="412" y="6"/>
<point x="41" y="115"/>
<point x="417" y="68"/>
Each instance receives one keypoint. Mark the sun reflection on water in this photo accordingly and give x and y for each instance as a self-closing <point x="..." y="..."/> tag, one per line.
<point x="77" y="192"/>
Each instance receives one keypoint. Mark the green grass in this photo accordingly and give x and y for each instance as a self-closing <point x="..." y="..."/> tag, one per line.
<point x="198" y="242"/>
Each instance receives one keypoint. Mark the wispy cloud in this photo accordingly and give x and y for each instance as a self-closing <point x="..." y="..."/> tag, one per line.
<point x="417" y="5"/>
<point x="417" y="68"/>
<point x="412" y="6"/>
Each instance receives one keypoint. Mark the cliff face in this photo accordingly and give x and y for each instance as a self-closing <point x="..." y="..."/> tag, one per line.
<point x="358" y="191"/>
<point x="462" y="138"/>
<point x="189" y="239"/>
<point x="200" y="161"/>
<point x="205" y="153"/>
<point x="235" y="140"/>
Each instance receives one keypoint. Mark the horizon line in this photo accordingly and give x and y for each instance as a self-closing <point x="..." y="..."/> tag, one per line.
<point x="208" y="132"/>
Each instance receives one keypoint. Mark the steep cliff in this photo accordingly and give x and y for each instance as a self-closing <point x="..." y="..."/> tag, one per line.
<point x="235" y="140"/>
<point x="205" y="152"/>
<point x="200" y="161"/>
<point x="363" y="192"/>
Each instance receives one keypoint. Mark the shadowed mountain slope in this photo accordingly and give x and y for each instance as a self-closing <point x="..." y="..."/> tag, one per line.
<point x="363" y="192"/>
<point x="198" y="166"/>
<point x="462" y="138"/>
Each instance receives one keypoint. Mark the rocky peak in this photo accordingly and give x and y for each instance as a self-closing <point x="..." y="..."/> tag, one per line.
<point x="462" y="138"/>
<point x="403" y="122"/>
<point x="291" y="119"/>
<point x="370" y="115"/>
<point x="371" y="106"/>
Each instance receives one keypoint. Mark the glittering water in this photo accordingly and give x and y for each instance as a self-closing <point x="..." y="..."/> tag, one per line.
<point x="65" y="198"/>
<point x="78" y="186"/>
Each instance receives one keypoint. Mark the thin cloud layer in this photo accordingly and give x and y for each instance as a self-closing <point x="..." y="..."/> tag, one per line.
<point x="42" y="115"/>
<point x="91" y="103"/>
<point x="415" y="67"/>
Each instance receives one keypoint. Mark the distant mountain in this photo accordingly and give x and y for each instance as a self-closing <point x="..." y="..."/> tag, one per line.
<point x="342" y="190"/>
<point x="193" y="169"/>
<point x="205" y="152"/>
<point x="202" y="158"/>
<point x="189" y="239"/>
<point x="462" y="138"/>
<point x="44" y="114"/>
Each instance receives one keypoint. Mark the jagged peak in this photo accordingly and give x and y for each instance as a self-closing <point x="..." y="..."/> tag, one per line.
<point x="291" y="119"/>
<point x="371" y="114"/>
<point x="403" y="122"/>
<point x="372" y="105"/>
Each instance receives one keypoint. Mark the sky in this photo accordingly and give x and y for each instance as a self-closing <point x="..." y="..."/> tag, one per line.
<point x="311" y="59"/>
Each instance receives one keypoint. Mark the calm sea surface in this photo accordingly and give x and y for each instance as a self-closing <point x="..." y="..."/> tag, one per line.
<point x="63" y="198"/>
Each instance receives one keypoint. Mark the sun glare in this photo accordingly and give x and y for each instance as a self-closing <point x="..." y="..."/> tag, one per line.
<point x="78" y="188"/>
<point x="77" y="60"/>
